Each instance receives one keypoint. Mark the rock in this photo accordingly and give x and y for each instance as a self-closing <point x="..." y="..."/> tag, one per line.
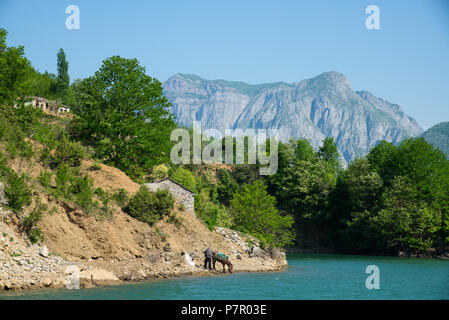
<point x="2" y="195"/>
<point x="44" y="252"/>
<point x="97" y="277"/>
<point x="256" y="252"/>
<point x="310" y="109"/>
<point x="233" y="237"/>
<point x="142" y="274"/>
<point x="154" y="258"/>
<point x="46" y="282"/>
<point x="7" y="285"/>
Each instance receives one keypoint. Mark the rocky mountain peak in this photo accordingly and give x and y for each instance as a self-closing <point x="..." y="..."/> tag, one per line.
<point x="322" y="106"/>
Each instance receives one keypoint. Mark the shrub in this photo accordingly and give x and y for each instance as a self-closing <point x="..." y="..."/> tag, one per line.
<point x="210" y="213"/>
<point x="120" y="197"/>
<point x="83" y="190"/>
<point x="185" y="177"/>
<point x="17" y="191"/>
<point x="63" y="178"/>
<point x="150" y="207"/>
<point x="69" y="153"/>
<point x="94" y="167"/>
<point x="173" y="219"/>
<point x="28" y="225"/>
<point x="163" y="202"/>
<point x="45" y="178"/>
<point x="46" y="157"/>
<point x="159" y="172"/>
<point x="99" y="192"/>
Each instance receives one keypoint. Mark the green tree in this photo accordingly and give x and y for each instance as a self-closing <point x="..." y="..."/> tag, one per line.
<point x="124" y="115"/>
<point x="15" y="69"/>
<point x="254" y="211"/>
<point x="329" y="152"/>
<point x="404" y="222"/>
<point x="185" y="177"/>
<point x="227" y="186"/>
<point x="63" y="79"/>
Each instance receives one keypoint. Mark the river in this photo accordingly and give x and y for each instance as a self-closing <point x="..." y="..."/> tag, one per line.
<point x="308" y="277"/>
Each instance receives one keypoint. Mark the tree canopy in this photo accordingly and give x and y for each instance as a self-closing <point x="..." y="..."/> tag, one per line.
<point x="124" y="115"/>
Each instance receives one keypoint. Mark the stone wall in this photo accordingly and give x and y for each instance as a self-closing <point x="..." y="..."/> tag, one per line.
<point x="181" y="195"/>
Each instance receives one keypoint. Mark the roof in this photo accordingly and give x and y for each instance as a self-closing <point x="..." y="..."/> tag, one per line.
<point x="193" y="193"/>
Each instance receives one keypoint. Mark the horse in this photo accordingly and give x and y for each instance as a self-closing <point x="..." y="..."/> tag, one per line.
<point x="224" y="262"/>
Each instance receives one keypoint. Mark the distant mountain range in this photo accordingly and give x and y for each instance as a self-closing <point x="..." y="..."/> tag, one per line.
<point x="313" y="109"/>
<point x="438" y="135"/>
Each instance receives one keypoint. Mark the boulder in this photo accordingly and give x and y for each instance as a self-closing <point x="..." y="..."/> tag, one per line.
<point x="2" y="195"/>
<point x="46" y="282"/>
<point x="256" y="252"/>
<point x="97" y="277"/>
<point x="44" y="252"/>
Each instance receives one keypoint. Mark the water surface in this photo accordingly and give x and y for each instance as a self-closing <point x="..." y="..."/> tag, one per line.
<point x="308" y="277"/>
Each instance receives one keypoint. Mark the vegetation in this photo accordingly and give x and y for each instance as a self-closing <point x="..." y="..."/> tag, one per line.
<point x="123" y="115"/>
<point x="438" y="135"/>
<point x="150" y="207"/>
<point x="394" y="199"/>
<point x="254" y="211"/>
<point x="29" y="223"/>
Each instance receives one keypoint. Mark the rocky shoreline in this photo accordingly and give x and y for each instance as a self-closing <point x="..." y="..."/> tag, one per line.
<point x="27" y="266"/>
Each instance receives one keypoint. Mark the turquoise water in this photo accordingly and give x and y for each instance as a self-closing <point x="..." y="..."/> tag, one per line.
<point x="308" y="277"/>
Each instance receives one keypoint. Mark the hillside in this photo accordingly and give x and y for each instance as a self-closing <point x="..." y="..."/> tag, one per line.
<point x="107" y="244"/>
<point x="313" y="109"/>
<point x="438" y="135"/>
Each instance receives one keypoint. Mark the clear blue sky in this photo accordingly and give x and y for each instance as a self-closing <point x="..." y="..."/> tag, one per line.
<point x="256" y="41"/>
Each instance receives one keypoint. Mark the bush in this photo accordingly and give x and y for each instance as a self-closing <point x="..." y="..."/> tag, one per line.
<point x="159" y="172"/>
<point x="29" y="223"/>
<point x="45" y="178"/>
<point x="17" y="191"/>
<point x="120" y="197"/>
<point x="63" y="178"/>
<point x="173" y="219"/>
<point x="186" y="178"/>
<point x="150" y="207"/>
<point x="46" y="157"/>
<point x="83" y="190"/>
<point x="94" y="167"/>
<point x="210" y="213"/>
<point x="69" y="153"/>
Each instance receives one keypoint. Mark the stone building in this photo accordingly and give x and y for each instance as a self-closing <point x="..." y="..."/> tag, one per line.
<point x="47" y="105"/>
<point x="180" y="193"/>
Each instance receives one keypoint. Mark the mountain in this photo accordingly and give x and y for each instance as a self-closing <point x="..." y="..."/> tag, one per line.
<point x="438" y="135"/>
<point x="313" y="109"/>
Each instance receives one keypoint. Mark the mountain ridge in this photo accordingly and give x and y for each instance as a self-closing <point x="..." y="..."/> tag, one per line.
<point x="314" y="108"/>
<point x="438" y="135"/>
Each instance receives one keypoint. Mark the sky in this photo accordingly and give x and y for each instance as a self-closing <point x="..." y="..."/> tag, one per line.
<point x="406" y="61"/>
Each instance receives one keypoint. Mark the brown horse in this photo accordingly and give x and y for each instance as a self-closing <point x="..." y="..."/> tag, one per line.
<point x="224" y="263"/>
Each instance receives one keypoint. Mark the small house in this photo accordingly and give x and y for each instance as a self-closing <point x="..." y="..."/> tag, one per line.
<point x="47" y="105"/>
<point x="181" y="194"/>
